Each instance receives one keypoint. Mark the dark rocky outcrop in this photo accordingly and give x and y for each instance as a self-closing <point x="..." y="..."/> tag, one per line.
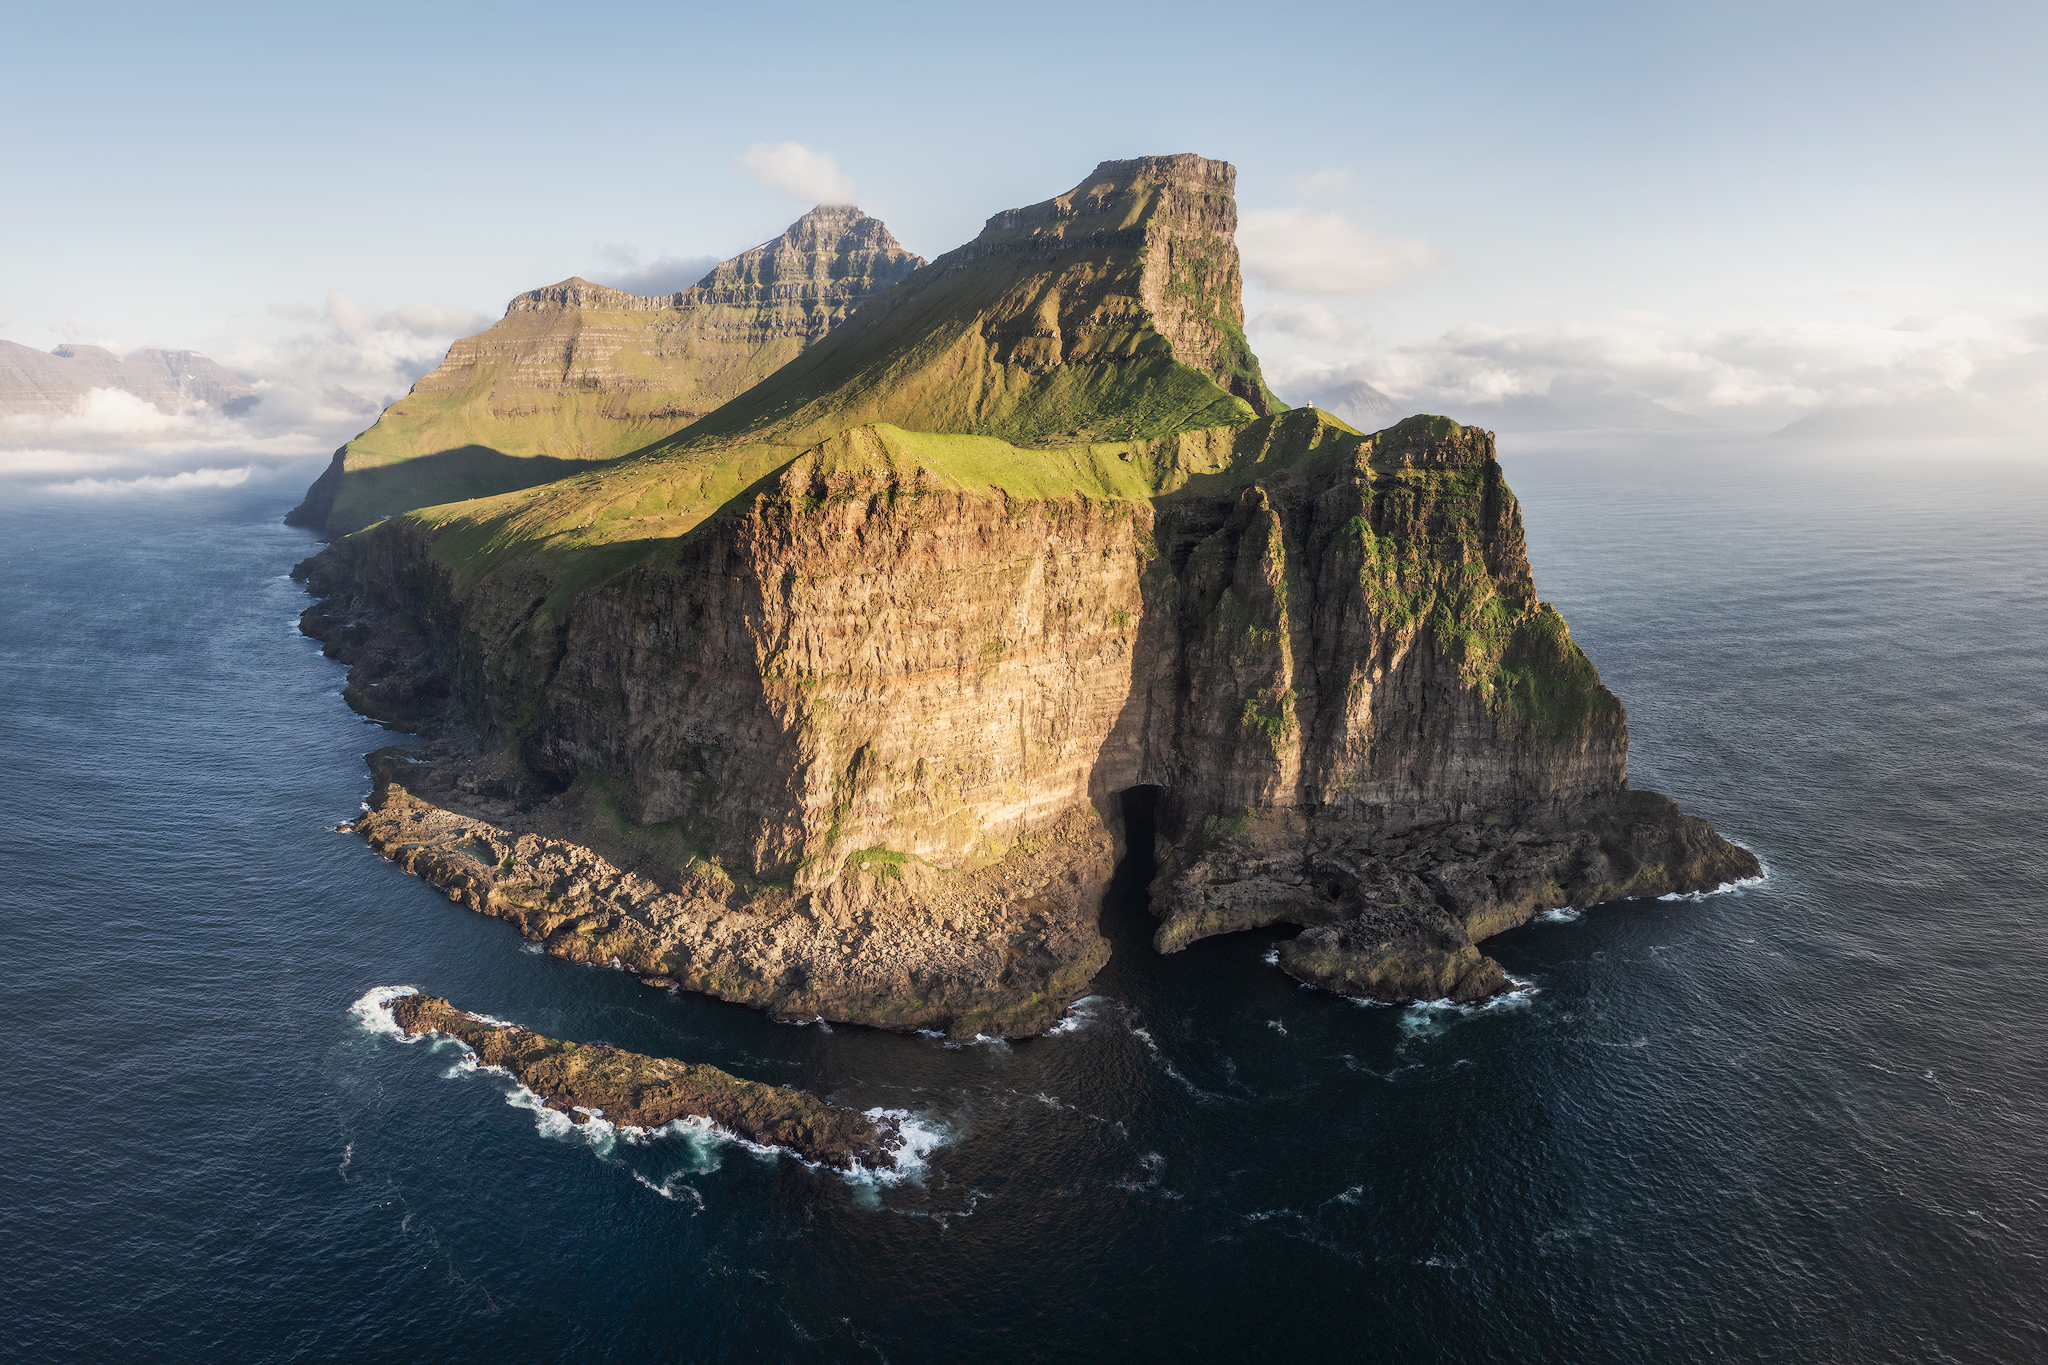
<point x="592" y="1080"/>
<point x="314" y="508"/>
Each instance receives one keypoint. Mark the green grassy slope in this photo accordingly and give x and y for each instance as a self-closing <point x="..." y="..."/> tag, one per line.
<point x="576" y="374"/>
<point x="1111" y="312"/>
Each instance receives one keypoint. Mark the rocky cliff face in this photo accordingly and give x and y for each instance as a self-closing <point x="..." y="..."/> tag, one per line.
<point x="49" y="383"/>
<point x="859" y="716"/>
<point x="576" y="373"/>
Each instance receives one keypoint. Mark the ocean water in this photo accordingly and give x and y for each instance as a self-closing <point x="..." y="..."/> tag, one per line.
<point x="1806" y="1120"/>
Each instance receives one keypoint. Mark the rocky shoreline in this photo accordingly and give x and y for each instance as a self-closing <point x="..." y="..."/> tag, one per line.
<point x="1396" y="915"/>
<point x="587" y="1081"/>
<point x="1001" y="952"/>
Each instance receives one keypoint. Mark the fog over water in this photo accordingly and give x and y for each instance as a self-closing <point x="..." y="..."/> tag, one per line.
<point x="1803" y="1120"/>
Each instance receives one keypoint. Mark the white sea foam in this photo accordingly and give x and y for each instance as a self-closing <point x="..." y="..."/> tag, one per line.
<point x="1271" y="957"/>
<point x="702" y="1140"/>
<point x="1079" y="1015"/>
<point x="674" y="1188"/>
<point x="1725" y="888"/>
<point x="1276" y="1025"/>
<point x="372" y="1013"/>
<point x="922" y="1135"/>
<point x="981" y="1040"/>
<point x="553" y="1123"/>
<point x="1428" y="1018"/>
<point x="1166" y="1063"/>
<point x="1564" y="914"/>
<point x="706" y="1141"/>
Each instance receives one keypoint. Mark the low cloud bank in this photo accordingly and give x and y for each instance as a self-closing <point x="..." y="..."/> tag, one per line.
<point x="321" y="375"/>
<point x="1980" y="371"/>
<point x="663" y="275"/>
<point x="156" y="483"/>
<point x="1301" y="250"/>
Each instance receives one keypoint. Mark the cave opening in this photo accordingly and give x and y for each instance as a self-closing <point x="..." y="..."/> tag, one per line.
<point x="1126" y="905"/>
<point x="1140" y="811"/>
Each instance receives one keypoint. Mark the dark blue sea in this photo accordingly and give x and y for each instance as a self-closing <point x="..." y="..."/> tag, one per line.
<point x="1800" y="1121"/>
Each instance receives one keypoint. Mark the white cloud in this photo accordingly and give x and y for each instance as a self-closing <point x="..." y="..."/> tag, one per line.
<point x="797" y="171"/>
<point x="1322" y="182"/>
<point x="1992" y="362"/>
<point x="79" y="330"/>
<point x="99" y="417"/>
<point x="156" y="483"/>
<point x="1318" y="251"/>
<point x="315" y="387"/>
<point x="1311" y="322"/>
<point x="662" y="275"/>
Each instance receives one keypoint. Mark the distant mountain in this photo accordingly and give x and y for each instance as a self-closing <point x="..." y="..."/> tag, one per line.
<point x="49" y="383"/>
<point x="1945" y="416"/>
<point x="577" y="373"/>
<point x="1357" y="403"/>
<point x="1568" y="409"/>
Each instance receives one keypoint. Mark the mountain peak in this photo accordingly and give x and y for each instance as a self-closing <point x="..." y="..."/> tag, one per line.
<point x="1116" y="307"/>
<point x="823" y="252"/>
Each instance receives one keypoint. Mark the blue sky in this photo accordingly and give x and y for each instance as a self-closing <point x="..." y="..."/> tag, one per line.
<point x="1744" y="212"/>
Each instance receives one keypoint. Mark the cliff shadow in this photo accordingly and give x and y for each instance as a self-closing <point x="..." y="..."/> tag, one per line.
<point x="363" y="496"/>
<point x="1126" y="914"/>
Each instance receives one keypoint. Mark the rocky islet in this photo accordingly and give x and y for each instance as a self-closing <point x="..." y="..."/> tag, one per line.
<point x="587" y="1081"/>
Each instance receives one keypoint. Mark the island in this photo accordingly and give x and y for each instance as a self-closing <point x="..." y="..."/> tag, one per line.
<point x="844" y="698"/>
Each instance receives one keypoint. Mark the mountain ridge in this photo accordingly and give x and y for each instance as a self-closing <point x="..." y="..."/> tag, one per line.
<point x="576" y="373"/>
<point x="50" y="383"/>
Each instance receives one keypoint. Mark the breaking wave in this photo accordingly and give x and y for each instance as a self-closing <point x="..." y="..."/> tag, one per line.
<point x="1725" y="888"/>
<point x="1079" y="1015"/>
<point x="1428" y="1018"/>
<point x="371" y="1015"/>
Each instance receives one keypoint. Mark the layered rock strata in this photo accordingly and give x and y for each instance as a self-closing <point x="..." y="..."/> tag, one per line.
<point x="893" y="942"/>
<point x="592" y="1080"/>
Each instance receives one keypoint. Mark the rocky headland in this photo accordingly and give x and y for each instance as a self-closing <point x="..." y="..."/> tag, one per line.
<point x="833" y="701"/>
<point x="586" y="1081"/>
